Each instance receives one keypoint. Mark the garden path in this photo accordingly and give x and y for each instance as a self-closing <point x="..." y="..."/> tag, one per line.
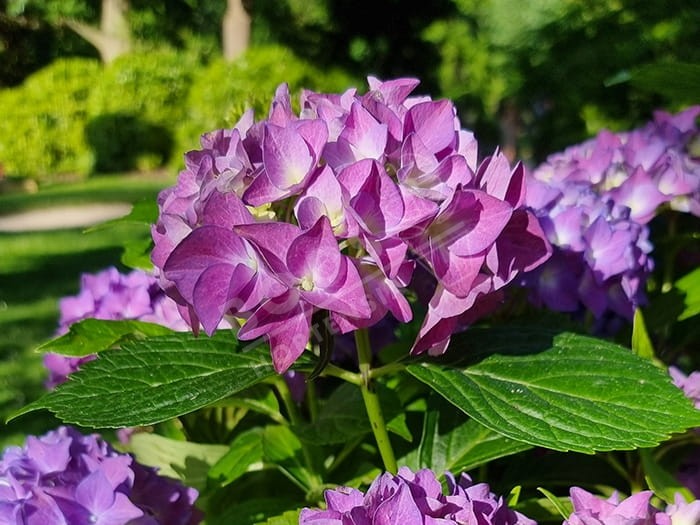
<point x="62" y="217"/>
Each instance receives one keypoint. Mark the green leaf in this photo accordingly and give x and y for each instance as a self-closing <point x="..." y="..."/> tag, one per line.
<point x="291" y="517"/>
<point x="245" y="450"/>
<point x="184" y="460"/>
<point x="152" y="380"/>
<point x="662" y="482"/>
<point x="685" y="87"/>
<point x="641" y="342"/>
<point x="249" y="512"/>
<point x="451" y="443"/>
<point x="283" y="448"/>
<point x="343" y="417"/>
<point x="561" y="505"/>
<point x="689" y="285"/>
<point x="91" y="336"/>
<point x="137" y="249"/>
<point x="563" y="391"/>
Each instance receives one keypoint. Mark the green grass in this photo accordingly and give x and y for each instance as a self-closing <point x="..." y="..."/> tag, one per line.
<point x="36" y="270"/>
<point x="103" y="188"/>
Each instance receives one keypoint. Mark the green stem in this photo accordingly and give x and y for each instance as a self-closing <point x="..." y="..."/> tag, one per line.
<point x="372" y="405"/>
<point x="295" y="419"/>
<point x="347" y="376"/>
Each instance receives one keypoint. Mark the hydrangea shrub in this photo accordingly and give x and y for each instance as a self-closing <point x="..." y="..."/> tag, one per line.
<point x="346" y="341"/>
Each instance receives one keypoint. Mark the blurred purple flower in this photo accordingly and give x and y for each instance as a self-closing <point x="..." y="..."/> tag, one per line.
<point x="594" y="201"/>
<point x="414" y="499"/>
<point x="590" y="509"/>
<point x="111" y="295"/>
<point x="65" y="477"/>
<point x="275" y="220"/>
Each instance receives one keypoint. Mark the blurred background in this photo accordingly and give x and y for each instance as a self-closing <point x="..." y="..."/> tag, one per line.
<point x="105" y="86"/>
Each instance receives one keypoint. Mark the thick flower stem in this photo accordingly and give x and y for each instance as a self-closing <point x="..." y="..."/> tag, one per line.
<point x="372" y="405"/>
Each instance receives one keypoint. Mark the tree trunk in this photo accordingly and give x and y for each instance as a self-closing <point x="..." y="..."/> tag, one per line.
<point x="113" y="38"/>
<point x="235" y="30"/>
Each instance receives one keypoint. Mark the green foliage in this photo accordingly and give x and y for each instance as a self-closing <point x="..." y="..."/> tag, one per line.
<point x="91" y="336"/>
<point x="565" y="392"/>
<point x="552" y="60"/>
<point x="134" y="108"/>
<point x="175" y="375"/>
<point x="223" y="91"/>
<point x="41" y="132"/>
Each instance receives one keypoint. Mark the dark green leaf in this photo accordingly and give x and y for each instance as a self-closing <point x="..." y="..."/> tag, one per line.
<point x="91" y="336"/>
<point x="184" y="460"/>
<point x="282" y="448"/>
<point x="662" y="482"/>
<point x="250" y="512"/>
<point x="655" y="78"/>
<point x="152" y="380"/>
<point x="564" y="391"/>
<point x="453" y="442"/>
<point x="245" y="450"/>
<point x="689" y="286"/>
<point x="343" y="417"/>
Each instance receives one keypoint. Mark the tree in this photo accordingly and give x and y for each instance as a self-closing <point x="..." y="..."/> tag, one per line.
<point x="235" y="30"/>
<point x="113" y="37"/>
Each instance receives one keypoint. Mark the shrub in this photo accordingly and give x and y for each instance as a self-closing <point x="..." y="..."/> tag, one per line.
<point x="43" y="120"/>
<point x="222" y="91"/>
<point x="135" y="107"/>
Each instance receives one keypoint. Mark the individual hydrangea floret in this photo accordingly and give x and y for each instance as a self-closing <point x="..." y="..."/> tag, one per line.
<point x="67" y="478"/>
<point x="594" y="201"/>
<point x="690" y="384"/>
<point x="589" y="509"/>
<point x="111" y="295"/>
<point x="414" y="499"/>
<point x="330" y="211"/>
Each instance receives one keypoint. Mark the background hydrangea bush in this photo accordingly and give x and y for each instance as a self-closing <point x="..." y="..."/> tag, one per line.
<point x="369" y="221"/>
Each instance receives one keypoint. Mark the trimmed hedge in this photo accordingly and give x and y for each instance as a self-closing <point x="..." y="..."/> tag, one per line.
<point x="221" y="92"/>
<point x="142" y="111"/>
<point x="43" y="120"/>
<point x="135" y="108"/>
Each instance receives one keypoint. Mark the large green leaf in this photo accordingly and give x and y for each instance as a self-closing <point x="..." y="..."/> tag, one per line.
<point x="184" y="460"/>
<point x="457" y="443"/>
<point x="155" y="379"/>
<point x="91" y="336"/>
<point x="561" y="390"/>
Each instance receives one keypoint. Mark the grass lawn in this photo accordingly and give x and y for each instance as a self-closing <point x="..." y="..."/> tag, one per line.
<point x="38" y="268"/>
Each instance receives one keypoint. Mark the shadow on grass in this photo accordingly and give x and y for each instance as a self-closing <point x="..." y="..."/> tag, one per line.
<point x="30" y="288"/>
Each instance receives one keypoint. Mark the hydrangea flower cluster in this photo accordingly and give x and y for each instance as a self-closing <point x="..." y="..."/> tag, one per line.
<point x="589" y="509"/>
<point x="330" y="211"/>
<point x="111" y="295"/>
<point x="66" y="478"/>
<point x="594" y="201"/>
<point x="414" y="499"/>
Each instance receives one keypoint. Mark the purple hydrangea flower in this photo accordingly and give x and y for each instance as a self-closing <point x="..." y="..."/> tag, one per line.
<point x="332" y="210"/>
<point x="590" y="509"/>
<point x="65" y="477"/>
<point x="594" y="201"/>
<point x="690" y="384"/>
<point x="111" y="295"/>
<point x="414" y="499"/>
